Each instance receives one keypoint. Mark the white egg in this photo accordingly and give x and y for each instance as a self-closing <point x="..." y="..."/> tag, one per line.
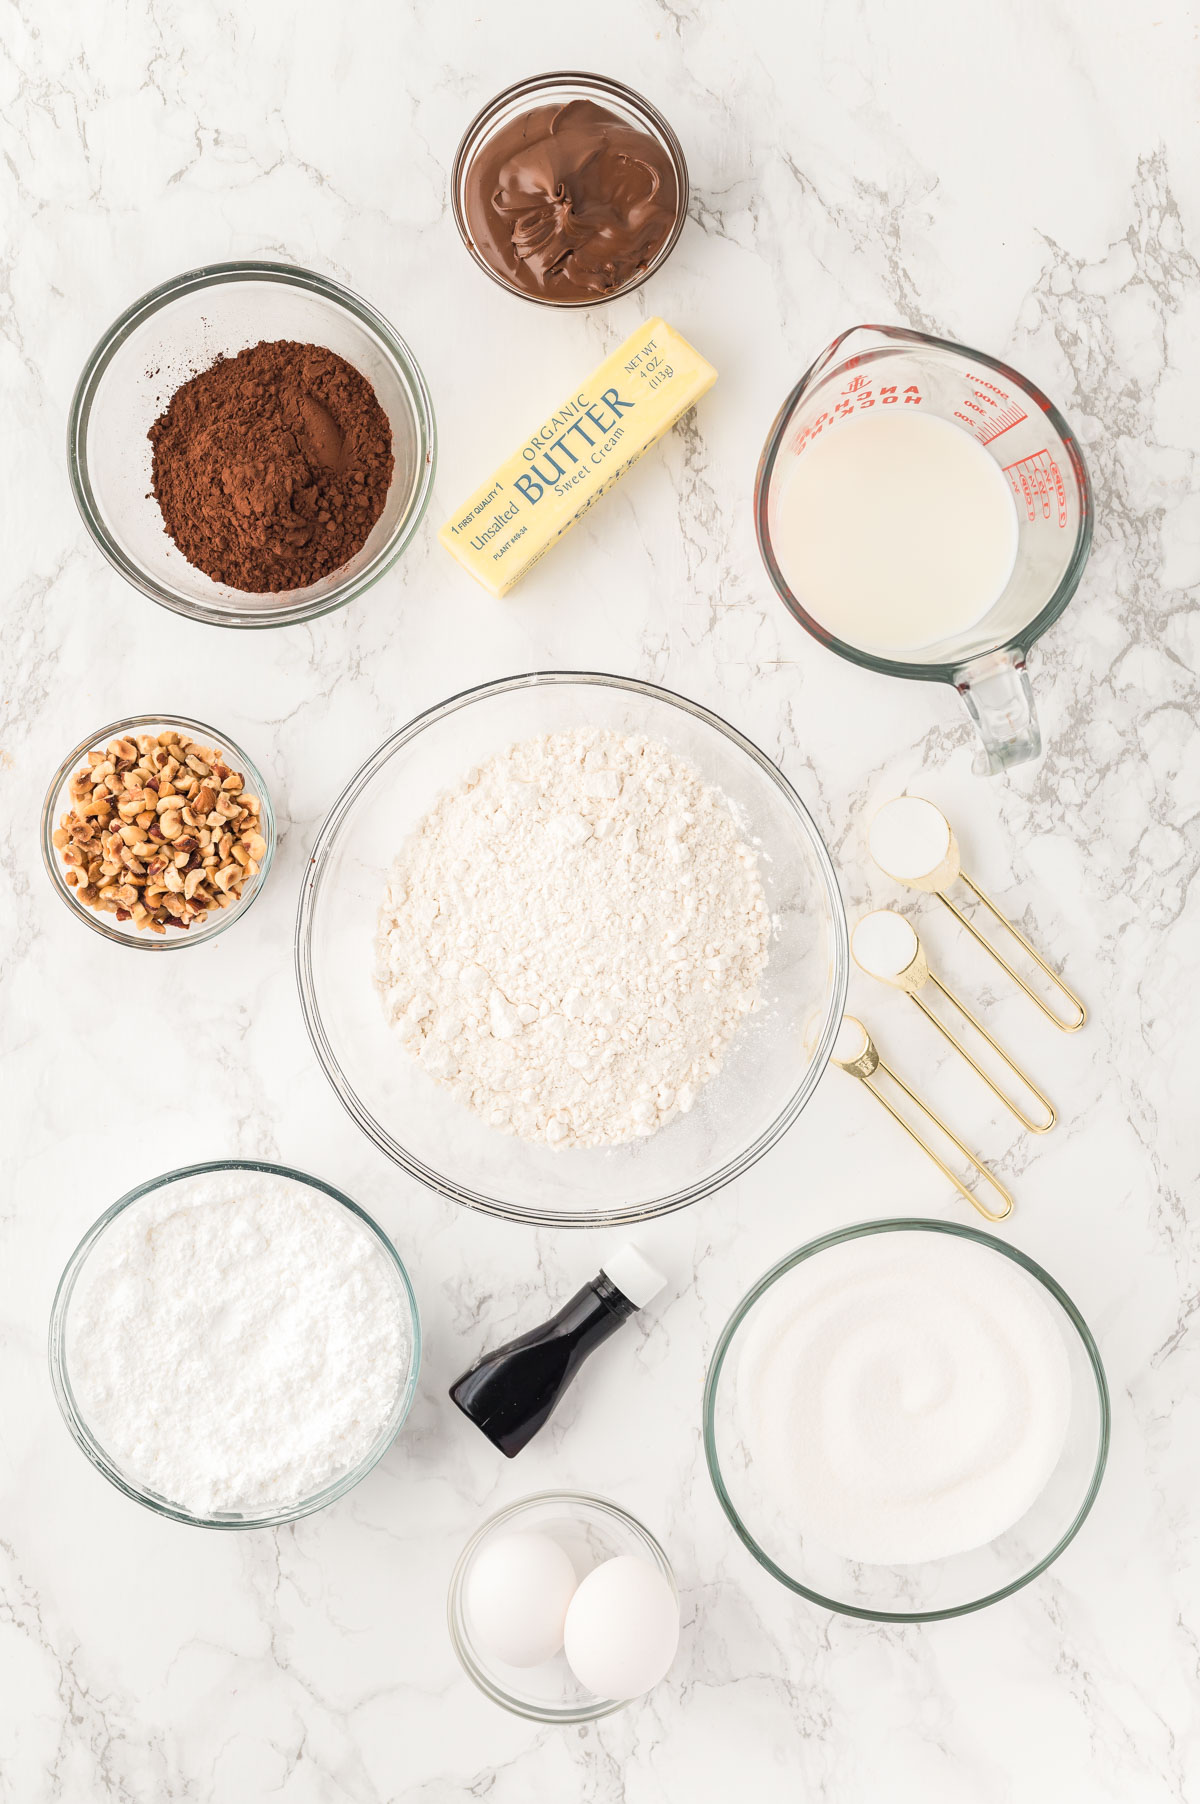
<point x="517" y="1593"/>
<point x="622" y="1628"/>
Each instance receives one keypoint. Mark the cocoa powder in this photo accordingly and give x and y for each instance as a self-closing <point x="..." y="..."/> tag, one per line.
<point x="271" y="467"/>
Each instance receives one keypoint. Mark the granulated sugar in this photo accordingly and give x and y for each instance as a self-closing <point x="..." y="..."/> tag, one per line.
<point x="573" y="936"/>
<point x="902" y="1397"/>
<point x="235" y="1341"/>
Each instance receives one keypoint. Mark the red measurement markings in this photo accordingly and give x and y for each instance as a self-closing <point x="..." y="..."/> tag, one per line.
<point x="1001" y="420"/>
<point x="989" y="411"/>
<point x="1038" y="485"/>
<point x="856" y="397"/>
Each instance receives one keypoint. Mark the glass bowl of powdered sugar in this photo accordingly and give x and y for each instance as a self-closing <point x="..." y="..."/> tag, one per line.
<point x="234" y="1344"/>
<point x="558" y="944"/>
<point x="906" y="1420"/>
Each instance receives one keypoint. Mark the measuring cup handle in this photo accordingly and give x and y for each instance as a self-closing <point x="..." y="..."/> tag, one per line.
<point x="1000" y="702"/>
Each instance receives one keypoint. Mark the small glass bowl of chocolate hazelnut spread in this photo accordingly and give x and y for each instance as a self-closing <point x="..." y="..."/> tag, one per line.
<point x="569" y="189"/>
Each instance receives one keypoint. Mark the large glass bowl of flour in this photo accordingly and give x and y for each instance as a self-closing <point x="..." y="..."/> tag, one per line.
<point x="906" y="1420"/>
<point x="770" y="1067"/>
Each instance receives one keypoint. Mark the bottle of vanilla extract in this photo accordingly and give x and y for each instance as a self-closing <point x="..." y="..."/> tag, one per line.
<point x="511" y="1392"/>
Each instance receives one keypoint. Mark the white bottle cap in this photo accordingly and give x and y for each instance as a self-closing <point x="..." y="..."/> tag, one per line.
<point x="633" y="1275"/>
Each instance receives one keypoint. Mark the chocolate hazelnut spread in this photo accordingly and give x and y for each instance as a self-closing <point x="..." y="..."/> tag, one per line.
<point x="569" y="202"/>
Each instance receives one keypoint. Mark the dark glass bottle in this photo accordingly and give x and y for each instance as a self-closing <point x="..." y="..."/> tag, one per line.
<point x="511" y="1392"/>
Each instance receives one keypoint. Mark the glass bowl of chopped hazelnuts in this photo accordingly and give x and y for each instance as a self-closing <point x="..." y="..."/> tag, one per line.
<point x="158" y="832"/>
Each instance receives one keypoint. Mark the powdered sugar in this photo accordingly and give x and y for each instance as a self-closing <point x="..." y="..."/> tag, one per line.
<point x="236" y="1341"/>
<point x="572" y="937"/>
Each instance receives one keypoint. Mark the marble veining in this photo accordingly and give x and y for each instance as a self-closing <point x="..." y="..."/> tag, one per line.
<point x="1018" y="177"/>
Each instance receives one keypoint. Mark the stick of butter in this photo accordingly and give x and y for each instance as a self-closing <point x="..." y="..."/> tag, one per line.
<point x="575" y="454"/>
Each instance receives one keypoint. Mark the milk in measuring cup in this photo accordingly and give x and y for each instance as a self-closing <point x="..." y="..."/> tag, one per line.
<point x="895" y="531"/>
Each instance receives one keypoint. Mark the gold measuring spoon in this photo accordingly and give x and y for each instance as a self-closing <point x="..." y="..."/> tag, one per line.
<point x="886" y="946"/>
<point x="856" y="1052"/>
<point x="911" y="841"/>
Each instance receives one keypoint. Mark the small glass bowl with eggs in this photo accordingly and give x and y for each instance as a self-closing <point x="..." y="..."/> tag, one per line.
<point x="563" y="1608"/>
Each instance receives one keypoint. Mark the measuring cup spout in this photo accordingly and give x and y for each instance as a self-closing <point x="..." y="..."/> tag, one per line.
<point x="837" y="353"/>
<point x="1000" y="702"/>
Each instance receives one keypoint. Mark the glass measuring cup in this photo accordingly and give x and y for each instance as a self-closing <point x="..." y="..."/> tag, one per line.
<point x="1027" y="437"/>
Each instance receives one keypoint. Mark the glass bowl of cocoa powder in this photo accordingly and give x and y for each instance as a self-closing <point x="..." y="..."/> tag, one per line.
<point x="251" y="445"/>
<point x="157" y="831"/>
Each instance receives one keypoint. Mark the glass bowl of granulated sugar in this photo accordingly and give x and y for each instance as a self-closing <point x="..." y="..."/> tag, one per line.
<point x="906" y="1420"/>
<point x="558" y="946"/>
<point x="234" y="1344"/>
<point x="284" y="507"/>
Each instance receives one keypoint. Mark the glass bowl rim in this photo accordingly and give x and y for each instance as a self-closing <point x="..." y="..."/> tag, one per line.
<point x="73" y="1416"/>
<point x="581" y="1713"/>
<point x="1022" y="641"/>
<point x="306" y="913"/>
<point x="861" y="1230"/>
<point x="216" y="275"/>
<point x="475" y="136"/>
<point x="99" y="922"/>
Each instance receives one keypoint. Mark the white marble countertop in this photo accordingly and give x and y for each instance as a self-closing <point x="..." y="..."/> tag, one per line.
<point x="1017" y="176"/>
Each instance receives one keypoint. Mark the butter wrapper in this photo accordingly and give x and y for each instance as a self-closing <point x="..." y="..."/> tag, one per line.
<point x="577" y="452"/>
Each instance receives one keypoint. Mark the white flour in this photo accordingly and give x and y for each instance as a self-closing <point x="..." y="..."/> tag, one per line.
<point x="572" y="937"/>
<point x="235" y="1342"/>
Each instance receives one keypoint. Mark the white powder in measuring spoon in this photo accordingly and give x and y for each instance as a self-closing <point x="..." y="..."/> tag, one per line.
<point x="236" y="1342"/>
<point x="909" y="838"/>
<point x="884" y="943"/>
<point x="902" y="1397"/>
<point x="572" y="937"/>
